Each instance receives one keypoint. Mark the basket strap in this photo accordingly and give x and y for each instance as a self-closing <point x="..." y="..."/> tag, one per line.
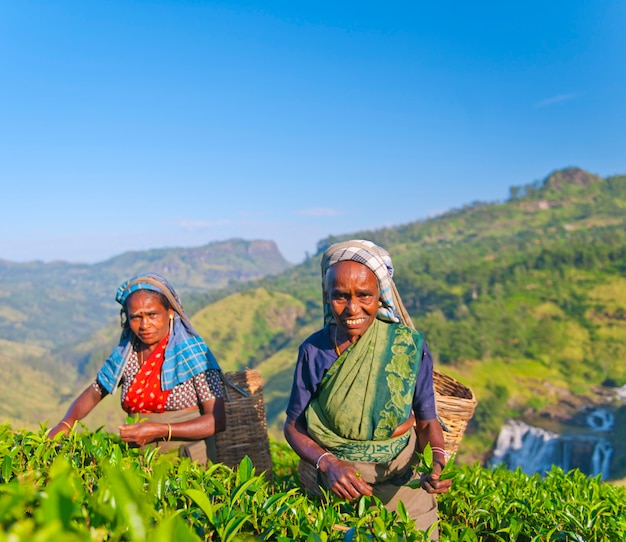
<point x="443" y="424"/>
<point x="234" y="386"/>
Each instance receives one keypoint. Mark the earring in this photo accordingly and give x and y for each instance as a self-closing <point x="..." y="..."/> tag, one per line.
<point x="171" y="323"/>
<point x="380" y="303"/>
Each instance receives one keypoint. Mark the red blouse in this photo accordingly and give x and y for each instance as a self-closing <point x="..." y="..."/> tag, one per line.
<point x="199" y="389"/>
<point x="145" y="393"/>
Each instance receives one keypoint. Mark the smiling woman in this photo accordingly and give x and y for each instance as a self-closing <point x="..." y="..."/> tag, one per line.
<point x="166" y="372"/>
<point x="362" y="401"/>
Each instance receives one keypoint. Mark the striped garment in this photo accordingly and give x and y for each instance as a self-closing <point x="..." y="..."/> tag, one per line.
<point x="186" y="354"/>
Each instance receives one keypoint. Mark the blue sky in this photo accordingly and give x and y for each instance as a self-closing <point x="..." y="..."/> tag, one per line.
<point x="136" y="125"/>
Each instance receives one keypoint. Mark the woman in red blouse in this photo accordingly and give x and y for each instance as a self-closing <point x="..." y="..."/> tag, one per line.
<point x="167" y="374"/>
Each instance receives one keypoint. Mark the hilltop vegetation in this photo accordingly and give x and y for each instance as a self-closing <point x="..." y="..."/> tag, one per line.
<point x="57" y="303"/>
<point x="522" y="300"/>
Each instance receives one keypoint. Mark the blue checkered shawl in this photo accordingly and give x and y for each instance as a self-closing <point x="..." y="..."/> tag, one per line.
<point x="186" y="354"/>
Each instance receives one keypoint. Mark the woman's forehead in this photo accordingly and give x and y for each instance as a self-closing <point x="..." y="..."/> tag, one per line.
<point x="143" y="297"/>
<point x="350" y="273"/>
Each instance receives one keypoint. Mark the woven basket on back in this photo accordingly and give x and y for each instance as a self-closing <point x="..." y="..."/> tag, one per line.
<point x="455" y="407"/>
<point x="246" y="425"/>
<point x="308" y="478"/>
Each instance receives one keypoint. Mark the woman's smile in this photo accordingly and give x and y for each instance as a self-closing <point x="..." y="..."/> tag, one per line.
<point x="355" y="322"/>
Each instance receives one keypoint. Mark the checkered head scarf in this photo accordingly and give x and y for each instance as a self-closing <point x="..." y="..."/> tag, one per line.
<point x="376" y="259"/>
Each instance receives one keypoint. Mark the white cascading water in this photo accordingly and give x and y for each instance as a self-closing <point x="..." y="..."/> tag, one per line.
<point x="536" y="450"/>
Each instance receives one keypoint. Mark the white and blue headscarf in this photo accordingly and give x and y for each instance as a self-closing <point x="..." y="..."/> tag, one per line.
<point x="376" y="259"/>
<point x="186" y="354"/>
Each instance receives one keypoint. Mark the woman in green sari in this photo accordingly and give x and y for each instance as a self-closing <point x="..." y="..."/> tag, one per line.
<point x="362" y="401"/>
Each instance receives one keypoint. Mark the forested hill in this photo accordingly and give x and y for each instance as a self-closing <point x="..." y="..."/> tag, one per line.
<point x="51" y="304"/>
<point x="524" y="300"/>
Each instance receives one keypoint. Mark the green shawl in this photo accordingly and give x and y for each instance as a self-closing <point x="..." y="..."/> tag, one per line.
<point x="366" y="394"/>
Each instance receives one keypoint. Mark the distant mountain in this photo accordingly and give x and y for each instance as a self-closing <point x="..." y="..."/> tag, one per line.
<point x="51" y="304"/>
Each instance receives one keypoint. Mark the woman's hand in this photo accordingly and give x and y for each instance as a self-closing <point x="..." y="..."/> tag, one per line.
<point x="61" y="427"/>
<point x="431" y="482"/>
<point x="429" y="432"/>
<point x="344" y="480"/>
<point x="80" y="407"/>
<point x="143" y="432"/>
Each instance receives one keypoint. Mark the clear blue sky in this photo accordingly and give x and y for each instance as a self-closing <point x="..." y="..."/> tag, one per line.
<point x="135" y="125"/>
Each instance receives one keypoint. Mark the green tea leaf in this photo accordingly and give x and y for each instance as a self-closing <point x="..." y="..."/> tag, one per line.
<point x="427" y="457"/>
<point x="449" y="471"/>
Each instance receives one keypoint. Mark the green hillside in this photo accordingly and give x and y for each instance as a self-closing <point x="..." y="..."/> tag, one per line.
<point x="523" y="300"/>
<point x="25" y="386"/>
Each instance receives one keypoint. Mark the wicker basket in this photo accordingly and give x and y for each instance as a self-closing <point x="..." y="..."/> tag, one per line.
<point x="308" y="478"/>
<point x="455" y="408"/>
<point x="246" y="425"/>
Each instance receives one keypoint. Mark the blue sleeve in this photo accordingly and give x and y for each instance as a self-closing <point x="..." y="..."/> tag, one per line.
<point x="424" y="399"/>
<point x="315" y="356"/>
<point x="301" y="388"/>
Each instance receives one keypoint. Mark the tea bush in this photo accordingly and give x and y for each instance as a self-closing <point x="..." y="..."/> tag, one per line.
<point x="91" y="486"/>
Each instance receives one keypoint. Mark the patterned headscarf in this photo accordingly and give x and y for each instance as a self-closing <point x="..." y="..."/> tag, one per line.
<point x="186" y="354"/>
<point x="376" y="259"/>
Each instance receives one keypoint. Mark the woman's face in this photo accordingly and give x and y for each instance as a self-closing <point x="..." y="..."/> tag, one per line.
<point x="149" y="320"/>
<point x="353" y="297"/>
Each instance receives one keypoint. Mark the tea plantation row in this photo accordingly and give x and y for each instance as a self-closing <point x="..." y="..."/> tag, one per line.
<point x="90" y="486"/>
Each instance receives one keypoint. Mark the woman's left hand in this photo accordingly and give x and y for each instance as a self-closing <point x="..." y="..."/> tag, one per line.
<point x="141" y="433"/>
<point x="431" y="482"/>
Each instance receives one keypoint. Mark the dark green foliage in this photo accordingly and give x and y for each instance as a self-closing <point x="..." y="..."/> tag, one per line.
<point x="92" y="487"/>
<point x="503" y="505"/>
<point x="89" y="486"/>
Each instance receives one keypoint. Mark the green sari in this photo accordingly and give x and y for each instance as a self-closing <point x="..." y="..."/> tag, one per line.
<point x="366" y="394"/>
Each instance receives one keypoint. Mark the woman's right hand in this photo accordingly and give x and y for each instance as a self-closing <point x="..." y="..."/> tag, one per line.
<point x="61" y="427"/>
<point x="81" y="406"/>
<point x="344" y="480"/>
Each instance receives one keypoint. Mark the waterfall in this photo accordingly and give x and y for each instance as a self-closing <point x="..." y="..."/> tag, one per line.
<point x="601" y="458"/>
<point x="536" y="450"/>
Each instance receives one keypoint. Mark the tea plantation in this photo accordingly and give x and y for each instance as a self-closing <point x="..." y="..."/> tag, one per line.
<point x="90" y="486"/>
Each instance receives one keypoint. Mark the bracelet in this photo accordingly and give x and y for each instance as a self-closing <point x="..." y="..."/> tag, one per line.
<point x="169" y="432"/>
<point x="70" y="427"/>
<point x="444" y="453"/>
<point x="317" y="465"/>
